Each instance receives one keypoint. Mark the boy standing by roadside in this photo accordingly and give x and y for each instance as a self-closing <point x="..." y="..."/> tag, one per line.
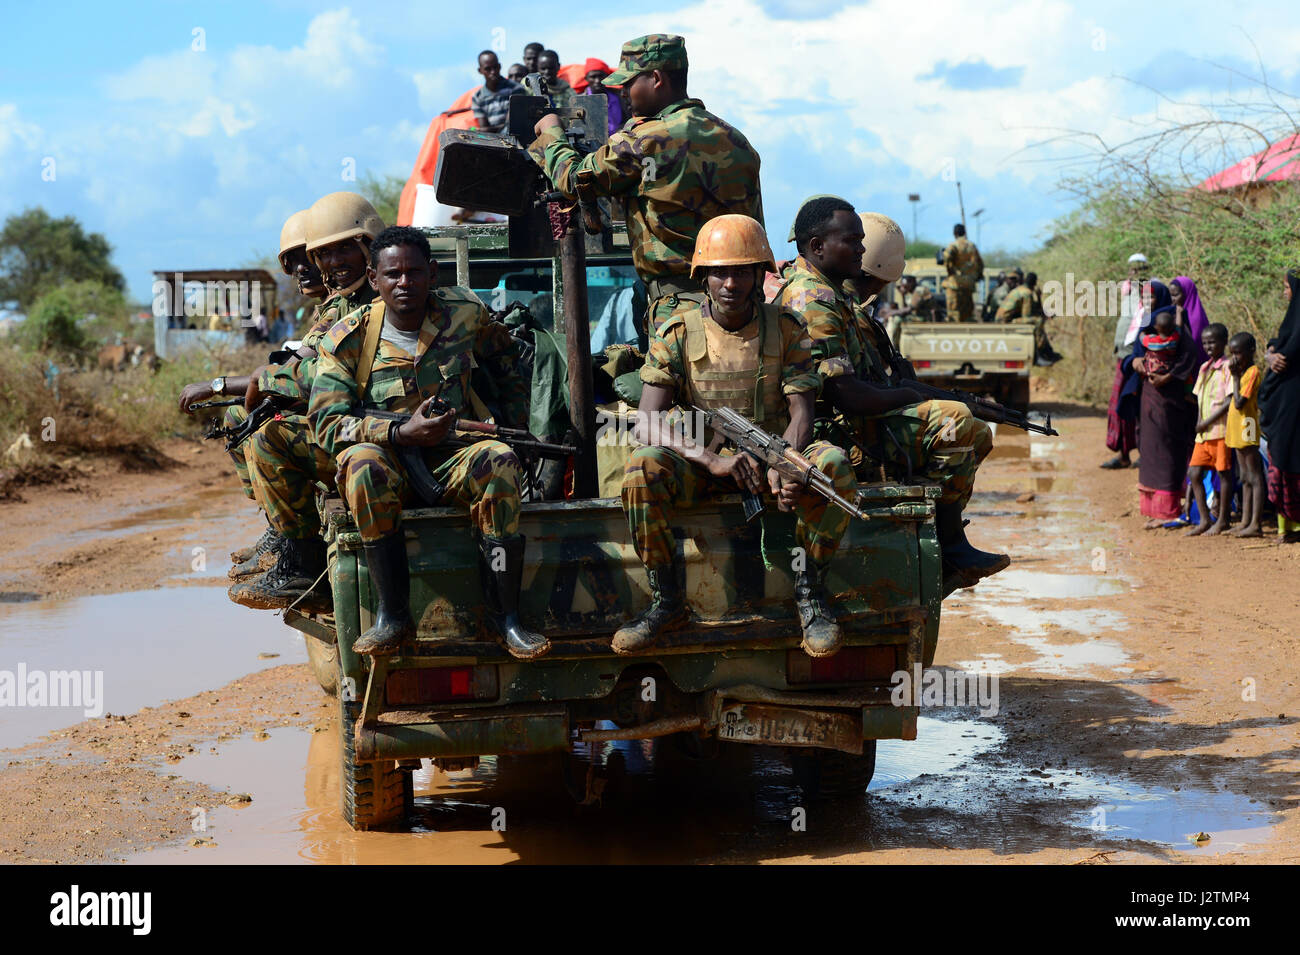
<point x="1243" y="431"/>
<point x="1213" y="391"/>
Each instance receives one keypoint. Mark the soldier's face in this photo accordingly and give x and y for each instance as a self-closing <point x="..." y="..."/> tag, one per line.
<point x="304" y="271"/>
<point x="641" y="94"/>
<point x="342" y="263"/>
<point x="731" y="287"/>
<point x="841" y="248"/>
<point x="401" y="276"/>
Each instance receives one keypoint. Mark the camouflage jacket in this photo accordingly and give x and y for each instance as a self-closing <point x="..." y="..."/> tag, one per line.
<point x="675" y="171"/>
<point x="1018" y="303"/>
<point x="843" y="340"/>
<point x="293" y="379"/>
<point x="457" y="334"/>
<point x="965" y="267"/>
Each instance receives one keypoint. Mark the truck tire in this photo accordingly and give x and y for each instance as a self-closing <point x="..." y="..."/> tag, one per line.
<point x="373" y="794"/>
<point x="831" y="774"/>
<point x="323" y="658"/>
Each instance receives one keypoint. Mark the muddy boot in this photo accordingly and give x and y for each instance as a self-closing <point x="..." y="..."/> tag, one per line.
<point x="268" y="537"/>
<point x="964" y="565"/>
<point x="293" y="581"/>
<point x="501" y="562"/>
<point x="259" y="560"/>
<point x="390" y="579"/>
<point x="667" y="610"/>
<point x="822" y="636"/>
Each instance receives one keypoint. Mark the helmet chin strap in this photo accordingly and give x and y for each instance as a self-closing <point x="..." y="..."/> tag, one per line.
<point x="355" y="285"/>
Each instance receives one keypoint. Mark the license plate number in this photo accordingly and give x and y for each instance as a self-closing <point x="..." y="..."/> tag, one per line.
<point x="783" y="726"/>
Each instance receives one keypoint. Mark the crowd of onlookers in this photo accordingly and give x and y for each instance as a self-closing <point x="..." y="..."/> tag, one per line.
<point x="1210" y="428"/>
<point x="491" y="101"/>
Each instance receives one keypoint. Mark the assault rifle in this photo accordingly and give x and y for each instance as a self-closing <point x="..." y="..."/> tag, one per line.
<point x="986" y="409"/>
<point x="271" y="406"/>
<point x="429" y="488"/>
<point x="772" y="451"/>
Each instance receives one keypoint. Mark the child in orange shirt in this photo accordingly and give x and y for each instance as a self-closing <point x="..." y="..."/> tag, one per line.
<point x="1213" y="393"/>
<point x="1243" y="431"/>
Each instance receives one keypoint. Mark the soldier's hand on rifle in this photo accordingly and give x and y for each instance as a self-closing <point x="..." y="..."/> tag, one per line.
<point x="426" y="430"/>
<point x="193" y="393"/>
<point x="549" y="121"/>
<point x="787" y="492"/>
<point x="739" y="468"/>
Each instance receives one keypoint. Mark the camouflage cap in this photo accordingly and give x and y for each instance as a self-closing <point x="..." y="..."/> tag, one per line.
<point x="655" y="51"/>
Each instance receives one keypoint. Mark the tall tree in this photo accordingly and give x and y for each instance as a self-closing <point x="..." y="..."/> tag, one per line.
<point x="38" y="253"/>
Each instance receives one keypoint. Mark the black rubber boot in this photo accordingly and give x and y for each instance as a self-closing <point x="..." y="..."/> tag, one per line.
<point x="667" y="610"/>
<point x="822" y="636"/>
<point x="964" y="565"/>
<point x="294" y="576"/>
<point x="269" y="536"/>
<point x="262" y="558"/>
<point x="390" y="578"/>
<point x="501" y="562"/>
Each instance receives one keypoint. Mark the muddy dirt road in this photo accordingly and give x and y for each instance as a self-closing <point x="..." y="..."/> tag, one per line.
<point x="1147" y="693"/>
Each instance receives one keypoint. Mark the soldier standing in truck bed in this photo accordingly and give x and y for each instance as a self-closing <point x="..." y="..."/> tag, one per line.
<point x="675" y="165"/>
<point x="965" y="269"/>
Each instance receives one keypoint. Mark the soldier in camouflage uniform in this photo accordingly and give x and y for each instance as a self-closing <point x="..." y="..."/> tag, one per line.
<point x="285" y="463"/>
<point x="675" y="165"/>
<point x="415" y="344"/>
<point x="867" y="399"/>
<point x="965" y="269"/>
<point x="1018" y="301"/>
<point x="294" y="262"/>
<point x="729" y="351"/>
<point x="1044" y="354"/>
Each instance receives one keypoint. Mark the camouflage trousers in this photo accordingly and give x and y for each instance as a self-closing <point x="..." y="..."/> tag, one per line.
<point x="234" y="417"/>
<point x="961" y="304"/>
<point x="940" y="441"/>
<point x="659" y="481"/>
<point x="285" y="464"/>
<point x="484" y="477"/>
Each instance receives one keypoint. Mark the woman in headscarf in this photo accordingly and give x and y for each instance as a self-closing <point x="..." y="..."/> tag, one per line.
<point x="1167" y="418"/>
<point x="1279" y="413"/>
<point x="1190" y="313"/>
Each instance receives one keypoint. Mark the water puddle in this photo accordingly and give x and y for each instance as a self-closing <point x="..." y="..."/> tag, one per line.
<point x="138" y="648"/>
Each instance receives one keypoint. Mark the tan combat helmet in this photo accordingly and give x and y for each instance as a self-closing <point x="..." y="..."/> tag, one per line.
<point x="732" y="240"/>
<point x="340" y="216"/>
<point x="884" y="247"/>
<point x="293" y="235"/>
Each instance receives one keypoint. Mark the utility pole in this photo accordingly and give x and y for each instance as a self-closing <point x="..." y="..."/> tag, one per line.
<point x="961" y="205"/>
<point x="914" y="198"/>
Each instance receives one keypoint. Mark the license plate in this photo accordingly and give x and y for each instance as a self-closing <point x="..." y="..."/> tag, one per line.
<point x="783" y="726"/>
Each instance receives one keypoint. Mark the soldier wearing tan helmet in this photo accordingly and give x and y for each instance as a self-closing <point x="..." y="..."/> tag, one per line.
<point x="868" y="405"/>
<point x="294" y="262"/>
<point x="730" y="350"/>
<point x="285" y="461"/>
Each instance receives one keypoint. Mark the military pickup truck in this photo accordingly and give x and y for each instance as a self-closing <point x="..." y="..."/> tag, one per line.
<point x="992" y="358"/>
<point x="735" y="675"/>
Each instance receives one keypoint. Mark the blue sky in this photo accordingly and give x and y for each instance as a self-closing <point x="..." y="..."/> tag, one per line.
<point x="187" y="132"/>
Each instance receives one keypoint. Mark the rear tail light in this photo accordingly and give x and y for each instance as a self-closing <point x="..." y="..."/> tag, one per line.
<point x="874" y="664"/>
<point x="922" y="364"/>
<point x="1013" y="364"/>
<point x="441" y="685"/>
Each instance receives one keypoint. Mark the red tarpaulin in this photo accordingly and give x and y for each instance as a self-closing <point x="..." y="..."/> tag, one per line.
<point x="1278" y="163"/>
<point x="459" y="116"/>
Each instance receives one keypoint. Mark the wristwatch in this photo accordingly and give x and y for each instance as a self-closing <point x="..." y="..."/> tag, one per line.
<point x="219" y="385"/>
